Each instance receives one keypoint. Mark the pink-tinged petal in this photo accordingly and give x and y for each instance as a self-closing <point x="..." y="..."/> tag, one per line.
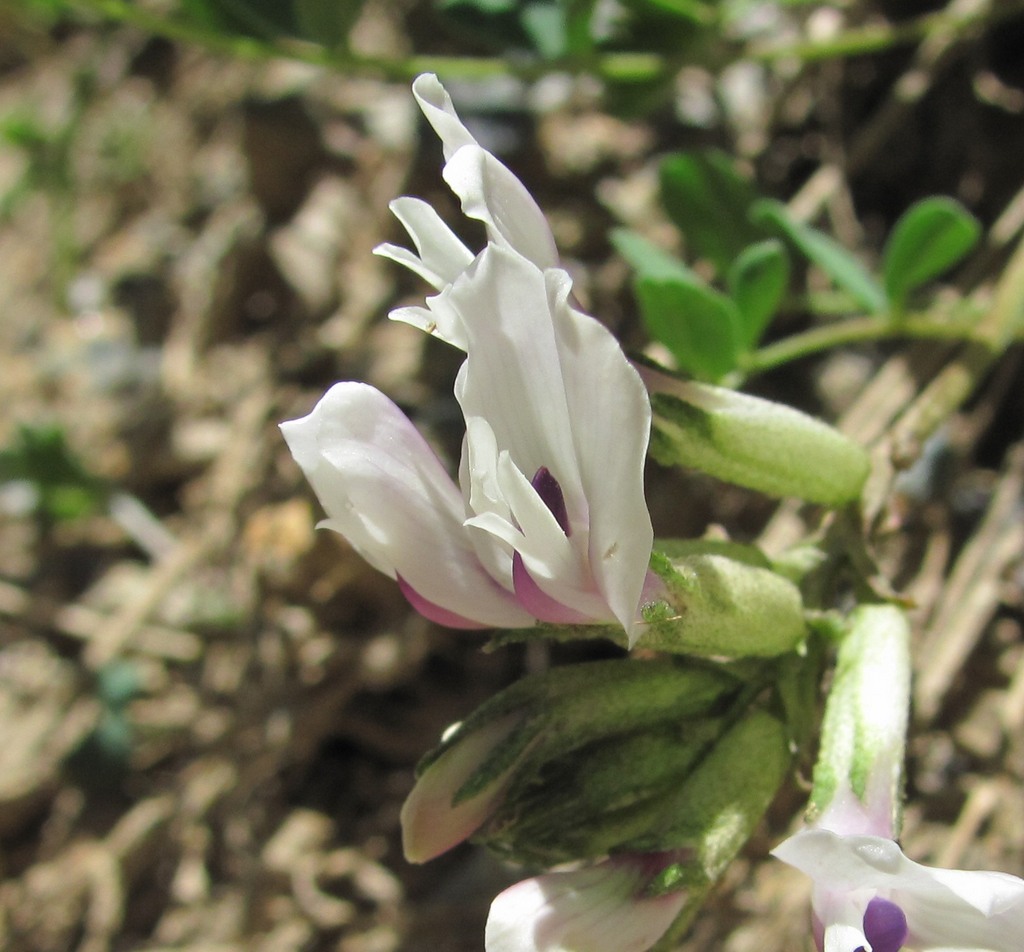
<point x="537" y="603"/>
<point x="531" y="373"/>
<point x="385" y="490"/>
<point x="590" y="910"/>
<point x="441" y="256"/>
<point x="430" y="824"/>
<point x="436" y="613"/>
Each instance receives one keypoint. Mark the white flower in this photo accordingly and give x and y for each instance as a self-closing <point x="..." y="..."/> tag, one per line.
<point x="598" y="909"/>
<point x="550" y="522"/>
<point x="868" y="897"/>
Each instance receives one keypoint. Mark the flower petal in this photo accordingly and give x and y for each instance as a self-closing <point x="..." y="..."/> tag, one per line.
<point x="588" y="910"/>
<point x="431" y="825"/>
<point x="490" y="193"/>
<point x="385" y="490"/>
<point x="945" y="909"/>
<point x="610" y="431"/>
<point x="488" y="190"/>
<point x="441" y="257"/>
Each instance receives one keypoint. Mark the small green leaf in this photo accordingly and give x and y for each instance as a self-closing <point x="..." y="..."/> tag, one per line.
<point x="697" y="324"/>
<point x="647" y="259"/>
<point x="838" y="263"/>
<point x="708" y="200"/>
<point x="757" y="281"/>
<point x="930" y="237"/>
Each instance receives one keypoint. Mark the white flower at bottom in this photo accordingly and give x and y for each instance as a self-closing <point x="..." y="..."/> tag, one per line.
<point x="868" y="897"/>
<point x="598" y="909"/>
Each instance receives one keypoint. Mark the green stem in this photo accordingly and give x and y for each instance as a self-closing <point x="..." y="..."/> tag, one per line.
<point x="853" y="331"/>
<point x="872" y="39"/>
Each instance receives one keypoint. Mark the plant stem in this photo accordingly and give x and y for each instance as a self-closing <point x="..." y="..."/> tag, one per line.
<point x="852" y="331"/>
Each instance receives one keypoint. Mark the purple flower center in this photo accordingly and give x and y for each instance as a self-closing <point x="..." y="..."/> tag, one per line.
<point x="546" y="486"/>
<point x="885" y="926"/>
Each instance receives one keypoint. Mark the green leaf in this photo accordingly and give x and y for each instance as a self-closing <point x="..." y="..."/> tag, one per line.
<point x="757" y="281"/>
<point x="647" y="259"/>
<point x="708" y="200"/>
<point x="41" y="457"/>
<point x="697" y="324"/>
<point x="930" y="237"/>
<point x="838" y="263"/>
<point x="326" y="21"/>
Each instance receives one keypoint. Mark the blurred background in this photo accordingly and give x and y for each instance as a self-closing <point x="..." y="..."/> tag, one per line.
<point x="209" y="712"/>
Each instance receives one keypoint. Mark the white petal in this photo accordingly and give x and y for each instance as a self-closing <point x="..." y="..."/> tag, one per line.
<point x="442" y="256"/>
<point x="385" y="490"/>
<point x="589" y="910"/>
<point x="436" y="319"/>
<point x="945" y="909"/>
<point x="437" y="106"/>
<point x="611" y="416"/>
<point x="490" y="193"/>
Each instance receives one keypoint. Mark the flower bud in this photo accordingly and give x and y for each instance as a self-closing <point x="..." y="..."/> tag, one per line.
<point x="721" y="602"/>
<point x="713" y="813"/>
<point x="752" y="442"/>
<point x="521" y="735"/>
<point x="860" y="763"/>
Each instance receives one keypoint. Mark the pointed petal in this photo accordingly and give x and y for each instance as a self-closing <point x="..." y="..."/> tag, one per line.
<point x="588" y="910"/>
<point x="437" y="106"/>
<point x="441" y="257"/>
<point x="385" y="490"/>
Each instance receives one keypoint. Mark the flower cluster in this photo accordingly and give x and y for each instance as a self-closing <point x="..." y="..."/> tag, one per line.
<point x="654" y="773"/>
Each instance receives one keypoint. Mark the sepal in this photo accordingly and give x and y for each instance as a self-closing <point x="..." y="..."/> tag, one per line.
<point x="721" y="602"/>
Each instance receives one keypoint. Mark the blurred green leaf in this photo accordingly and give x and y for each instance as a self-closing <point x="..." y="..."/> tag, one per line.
<point x="838" y="263"/>
<point x="41" y="457"/>
<point x="757" y="281"/>
<point x="697" y="324"/>
<point x="709" y="201"/>
<point x="647" y="259"/>
<point x="326" y="22"/>
<point x="930" y="237"/>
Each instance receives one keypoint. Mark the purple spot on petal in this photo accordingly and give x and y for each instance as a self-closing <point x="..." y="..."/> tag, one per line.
<point x="436" y="613"/>
<point x="550" y="493"/>
<point x="885" y="926"/>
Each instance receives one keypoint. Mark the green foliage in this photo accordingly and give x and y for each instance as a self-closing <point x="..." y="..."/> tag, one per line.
<point x="757" y="281"/>
<point x="930" y="237"/>
<point x="708" y="201"/>
<point x="62" y="488"/>
<point x="326" y="22"/>
<point x="838" y="263"/>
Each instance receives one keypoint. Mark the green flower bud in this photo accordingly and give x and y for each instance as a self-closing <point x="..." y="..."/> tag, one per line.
<point x="714" y="812"/>
<point x="858" y="774"/>
<point x="717" y="604"/>
<point x="752" y="442"/>
<point x="515" y="739"/>
<point x="589" y="803"/>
